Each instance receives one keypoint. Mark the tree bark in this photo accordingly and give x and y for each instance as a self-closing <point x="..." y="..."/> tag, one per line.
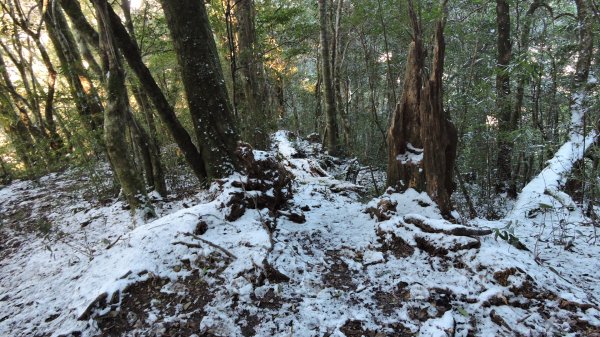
<point x="163" y="108"/>
<point x="204" y="85"/>
<point x="258" y="117"/>
<point x="82" y="88"/>
<point x="421" y="139"/>
<point x="116" y="116"/>
<point x="506" y="123"/>
<point x="331" y="141"/>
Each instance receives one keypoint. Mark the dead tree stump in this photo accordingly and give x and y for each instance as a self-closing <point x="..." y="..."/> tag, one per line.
<point x="422" y="141"/>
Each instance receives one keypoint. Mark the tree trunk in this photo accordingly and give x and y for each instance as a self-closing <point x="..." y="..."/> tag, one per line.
<point x="204" y="85"/>
<point x="73" y="10"/>
<point x="576" y="185"/>
<point x="524" y="46"/>
<point x="318" y="96"/>
<point x="331" y="141"/>
<point x="55" y="140"/>
<point x="422" y="141"/>
<point x="337" y="59"/>
<point x="503" y="105"/>
<point x="522" y="77"/>
<point x="372" y="89"/>
<point x="155" y="178"/>
<point x="257" y="114"/>
<point x="149" y="144"/>
<point x="85" y="34"/>
<point x="388" y="58"/>
<point x="82" y="88"/>
<point x="233" y="68"/>
<point x="116" y="116"/>
<point x="163" y="108"/>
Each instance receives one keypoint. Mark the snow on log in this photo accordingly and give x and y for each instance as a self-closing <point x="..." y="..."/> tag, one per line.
<point x="540" y="190"/>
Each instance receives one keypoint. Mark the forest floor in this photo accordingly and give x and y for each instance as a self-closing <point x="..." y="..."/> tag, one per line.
<point x="294" y="250"/>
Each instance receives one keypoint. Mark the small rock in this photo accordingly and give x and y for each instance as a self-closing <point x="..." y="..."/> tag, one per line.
<point x="370" y="257"/>
<point x="131" y="318"/>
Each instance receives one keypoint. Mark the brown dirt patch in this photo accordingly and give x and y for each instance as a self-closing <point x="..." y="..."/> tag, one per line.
<point x="390" y="301"/>
<point x="145" y="305"/>
<point x="338" y="276"/>
<point x="354" y="328"/>
<point x="248" y="323"/>
<point x="502" y="276"/>
<point x="441" y="299"/>
<point x="395" y="244"/>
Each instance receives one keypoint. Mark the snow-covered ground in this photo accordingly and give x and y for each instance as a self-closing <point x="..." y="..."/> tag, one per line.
<point x="391" y="267"/>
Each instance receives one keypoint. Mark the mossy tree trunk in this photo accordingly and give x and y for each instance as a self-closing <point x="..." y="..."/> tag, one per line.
<point x="116" y="115"/>
<point x="82" y="88"/>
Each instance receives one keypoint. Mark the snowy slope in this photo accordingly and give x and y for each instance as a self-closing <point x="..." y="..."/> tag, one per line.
<point x="193" y="272"/>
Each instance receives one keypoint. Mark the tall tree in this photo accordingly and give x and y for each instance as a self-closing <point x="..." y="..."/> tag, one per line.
<point x="82" y="87"/>
<point x="522" y="77"/>
<point x="331" y="132"/>
<point x="134" y="59"/>
<point x="506" y="122"/>
<point x="257" y="115"/>
<point x="207" y="98"/>
<point x="116" y="115"/>
<point x="147" y="141"/>
<point x="421" y="139"/>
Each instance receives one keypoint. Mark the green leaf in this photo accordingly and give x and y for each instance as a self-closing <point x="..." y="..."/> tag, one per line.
<point x="462" y="311"/>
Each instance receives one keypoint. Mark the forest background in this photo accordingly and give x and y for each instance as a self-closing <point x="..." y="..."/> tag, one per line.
<point x="515" y="75"/>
